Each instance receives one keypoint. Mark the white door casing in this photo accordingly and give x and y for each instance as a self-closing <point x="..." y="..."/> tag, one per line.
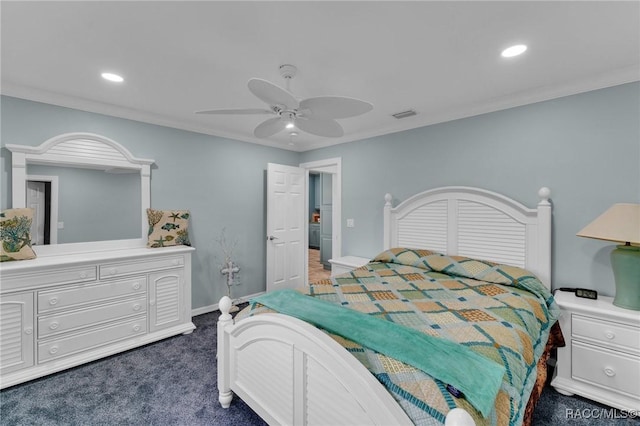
<point x="286" y="226"/>
<point x="53" y="209"/>
<point x="36" y="200"/>
<point x="332" y="166"/>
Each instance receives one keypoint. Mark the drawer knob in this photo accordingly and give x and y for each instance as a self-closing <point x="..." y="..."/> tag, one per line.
<point x="83" y="275"/>
<point x="112" y="271"/>
<point x="136" y="328"/>
<point x="53" y="301"/>
<point x="53" y="350"/>
<point x="28" y="330"/>
<point x="609" y="335"/>
<point x="54" y="325"/>
<point x="136" y="286"/>
<point x="609" y="371"/>
<point x="136" y="307"/>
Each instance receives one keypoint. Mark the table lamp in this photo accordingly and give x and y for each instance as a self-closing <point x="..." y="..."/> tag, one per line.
<point x="621" y="223"/>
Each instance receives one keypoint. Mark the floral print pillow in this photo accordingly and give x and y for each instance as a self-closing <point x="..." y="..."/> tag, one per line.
<point x="168" y="228"/>
<point x="15" y="234"/>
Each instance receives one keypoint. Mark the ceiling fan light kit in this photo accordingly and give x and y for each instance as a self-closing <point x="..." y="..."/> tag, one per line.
<point x="316" y="115"/>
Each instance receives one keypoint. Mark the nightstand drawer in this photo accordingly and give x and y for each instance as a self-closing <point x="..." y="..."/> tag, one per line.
<point x="346" y="264"/>
<point x="610" y="334"/>
<point x="613" y="370"/>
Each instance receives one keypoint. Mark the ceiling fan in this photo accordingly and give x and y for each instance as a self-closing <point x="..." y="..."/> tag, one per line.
<point x="313" y="115"/>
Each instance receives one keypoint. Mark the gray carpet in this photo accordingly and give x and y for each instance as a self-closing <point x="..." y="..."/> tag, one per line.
<point x="173" y="382"/>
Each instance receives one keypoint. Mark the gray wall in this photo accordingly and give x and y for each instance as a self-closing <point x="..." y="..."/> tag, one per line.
<point x="221" y="181"/>
<point x="585" y="148"/>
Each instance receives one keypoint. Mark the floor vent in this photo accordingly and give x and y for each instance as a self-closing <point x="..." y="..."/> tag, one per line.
<point x="404" y="114"/>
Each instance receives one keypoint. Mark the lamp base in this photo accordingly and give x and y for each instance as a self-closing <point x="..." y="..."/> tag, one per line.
<point x="625" y="262"/>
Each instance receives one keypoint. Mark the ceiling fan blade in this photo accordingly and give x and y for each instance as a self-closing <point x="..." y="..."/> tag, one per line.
<point x="332" y="107"/>
<point x="244" y="111"/>
<point x="328" y="128"/>
<point x="272" y="94"/>
<point x="269" y="127"/>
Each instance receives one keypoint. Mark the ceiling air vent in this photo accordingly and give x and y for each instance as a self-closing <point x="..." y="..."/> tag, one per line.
<point x="404" y="114"/>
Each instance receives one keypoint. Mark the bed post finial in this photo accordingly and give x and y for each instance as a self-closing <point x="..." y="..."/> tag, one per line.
<point x="225" y="307"/>
<point x="544" y="236"/>
<point x="544" y="194"/>
<point x="386" y="238"/>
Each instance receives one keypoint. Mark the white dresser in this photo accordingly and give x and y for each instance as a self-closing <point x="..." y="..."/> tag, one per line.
<point x="57" y="312"/>
<point x="601" y="359"/>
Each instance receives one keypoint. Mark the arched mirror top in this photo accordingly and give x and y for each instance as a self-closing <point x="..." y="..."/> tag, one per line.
<point x="85" y="151"/>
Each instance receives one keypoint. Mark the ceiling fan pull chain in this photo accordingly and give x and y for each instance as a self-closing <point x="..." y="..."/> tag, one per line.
<point x="288" y="71"/>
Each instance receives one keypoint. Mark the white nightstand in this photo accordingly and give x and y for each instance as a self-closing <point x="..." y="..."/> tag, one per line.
<point x="601" y="360"/>
<point x="340" y="265"/>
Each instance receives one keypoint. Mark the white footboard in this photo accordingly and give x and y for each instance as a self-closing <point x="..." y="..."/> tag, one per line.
<point x="291" y="373"/>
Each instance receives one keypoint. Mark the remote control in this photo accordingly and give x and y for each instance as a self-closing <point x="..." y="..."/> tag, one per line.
<point x="454" y="391"/>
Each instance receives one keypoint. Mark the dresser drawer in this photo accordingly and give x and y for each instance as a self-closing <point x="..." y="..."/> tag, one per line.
<point x="127" y="268"/>
<point x="53" y="277"/>
<point x="50" y="300"/>
<point x="610" y="334"/>
<point x="98" y="336"/>
<point x="59" y="323"/>
<point x="613" y="370"/>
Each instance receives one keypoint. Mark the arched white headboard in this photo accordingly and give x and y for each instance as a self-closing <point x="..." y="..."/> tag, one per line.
<point x="476" y="223"/>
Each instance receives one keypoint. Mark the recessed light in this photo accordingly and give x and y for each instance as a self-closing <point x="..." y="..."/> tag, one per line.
<point x="112" y="77"/>
<point x="512" y="51"/>
<point x="289" y="125"/>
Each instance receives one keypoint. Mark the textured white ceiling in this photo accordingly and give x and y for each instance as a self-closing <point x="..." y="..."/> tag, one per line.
<point x="441" y="59"/>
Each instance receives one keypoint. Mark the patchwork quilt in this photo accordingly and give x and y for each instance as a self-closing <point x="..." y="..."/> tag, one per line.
<point x="501" y="312"/>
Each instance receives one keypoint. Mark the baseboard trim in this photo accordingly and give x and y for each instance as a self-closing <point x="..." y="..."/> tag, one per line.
<point x="214" y="307"/>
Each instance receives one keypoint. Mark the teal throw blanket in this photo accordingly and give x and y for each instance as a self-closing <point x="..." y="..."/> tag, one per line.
<point x="451" y="363"/>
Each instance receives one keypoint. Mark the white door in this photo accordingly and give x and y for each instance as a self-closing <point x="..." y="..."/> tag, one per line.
<point x="285" y="226"/>
<point x="36" y="200"/>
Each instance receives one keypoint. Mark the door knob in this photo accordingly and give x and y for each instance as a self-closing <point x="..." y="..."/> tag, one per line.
<point x="271" y="238"/>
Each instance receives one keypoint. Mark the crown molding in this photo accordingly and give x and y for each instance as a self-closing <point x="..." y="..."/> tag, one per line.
<point x="530" y="96"/>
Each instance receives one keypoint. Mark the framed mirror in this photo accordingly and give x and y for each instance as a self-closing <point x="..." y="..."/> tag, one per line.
<point x="88" y="191"/>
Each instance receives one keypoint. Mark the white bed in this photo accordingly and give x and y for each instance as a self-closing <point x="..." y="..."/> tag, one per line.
<point x="290" y="372"/>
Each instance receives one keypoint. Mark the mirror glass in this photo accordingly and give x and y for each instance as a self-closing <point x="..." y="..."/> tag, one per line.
<point x="93" y="205"/>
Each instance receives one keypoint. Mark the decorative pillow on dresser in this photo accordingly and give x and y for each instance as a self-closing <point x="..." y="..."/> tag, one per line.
<point x="168" y="228"/>
<point x="15" y="233"/>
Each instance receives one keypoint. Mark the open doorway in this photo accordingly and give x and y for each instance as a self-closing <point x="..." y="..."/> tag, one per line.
<point x="320" y="229"/>
<point x="42" y="197"/>
<point x="324" y="208"/>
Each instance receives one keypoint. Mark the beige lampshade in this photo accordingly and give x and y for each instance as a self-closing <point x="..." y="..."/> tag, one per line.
<point x="620" y="223"/>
